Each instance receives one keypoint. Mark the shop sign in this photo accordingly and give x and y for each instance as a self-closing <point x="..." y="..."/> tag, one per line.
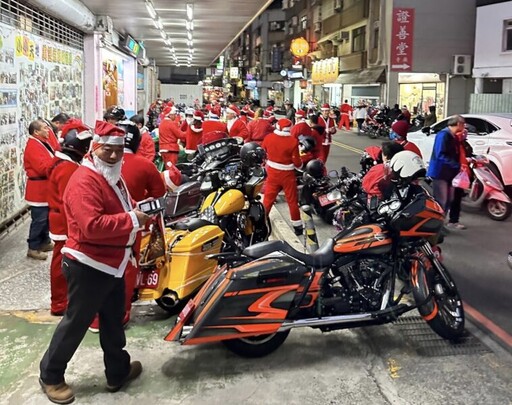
<point x="299" y="47"/>
<point x="276" y="59"/>
<point x="325" y="71"/>
<point x="233" y="73"/>
<point x="402" y="39"/>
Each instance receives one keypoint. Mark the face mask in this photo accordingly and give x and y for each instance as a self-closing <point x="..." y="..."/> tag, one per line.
<point x="393" y="135"/>
<point x="190" y="120"/>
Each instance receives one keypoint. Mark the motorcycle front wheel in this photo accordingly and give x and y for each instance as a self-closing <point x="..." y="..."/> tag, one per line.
<point x="256" y="346"/>
<point x="498" y="210"/>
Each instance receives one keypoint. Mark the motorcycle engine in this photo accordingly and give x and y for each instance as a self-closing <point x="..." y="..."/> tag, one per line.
<point x="356" y="287"/>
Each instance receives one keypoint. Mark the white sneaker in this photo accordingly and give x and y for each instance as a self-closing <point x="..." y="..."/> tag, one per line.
<point x="456" y="225"/>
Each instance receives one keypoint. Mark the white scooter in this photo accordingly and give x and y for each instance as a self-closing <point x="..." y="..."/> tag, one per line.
<point x="486" y="191"/>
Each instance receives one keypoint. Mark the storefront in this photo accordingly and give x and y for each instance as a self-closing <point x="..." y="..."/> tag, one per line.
<point x="39" y="77"/>
<point x="418" y="91"/>
<point x="323" y="77"/>
<point x="364" y="86"/>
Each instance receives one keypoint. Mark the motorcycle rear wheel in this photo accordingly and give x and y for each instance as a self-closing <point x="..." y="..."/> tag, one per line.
<point x="256" y="346"/>
<point x="498" y="210"/>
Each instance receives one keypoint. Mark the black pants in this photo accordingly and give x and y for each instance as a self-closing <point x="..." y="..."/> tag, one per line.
<point x="90" y="291"/>
<point x="455" y="205"/>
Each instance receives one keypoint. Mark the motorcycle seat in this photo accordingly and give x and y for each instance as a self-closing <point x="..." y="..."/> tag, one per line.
<point x="322" y="257"/>
<point x="191" y="224"/>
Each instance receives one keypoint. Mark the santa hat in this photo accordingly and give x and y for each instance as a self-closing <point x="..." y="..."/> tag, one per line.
<point x="400" y="128"/>
<point x="300" y="114"/>
<point x="283" y="127"/>
<point x="198" y="115"/>
<point x="82" y="130"/>
<point x="326" y="107"/>
<point x="247" y="110"/>
<point x="168" y="111"/>
<point x="212" y="116"/>
<point x="233" y="109"/>
<point x="107" y="133"/>
<point x="171" y="176"/>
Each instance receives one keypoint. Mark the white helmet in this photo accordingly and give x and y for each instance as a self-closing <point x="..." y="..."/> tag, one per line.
<point x="406" y="166"/>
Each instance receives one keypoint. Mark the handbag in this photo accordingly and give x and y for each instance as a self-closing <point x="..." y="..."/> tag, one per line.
<point x="461" y="180"/>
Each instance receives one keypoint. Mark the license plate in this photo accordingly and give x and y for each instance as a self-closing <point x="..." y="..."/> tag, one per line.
<point x="148" y="279"/>
<point x="185" y="312"/>
<point x="323" y="200"/>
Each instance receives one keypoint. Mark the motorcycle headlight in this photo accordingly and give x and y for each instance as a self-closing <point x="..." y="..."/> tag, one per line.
<point x="334" y="195"/>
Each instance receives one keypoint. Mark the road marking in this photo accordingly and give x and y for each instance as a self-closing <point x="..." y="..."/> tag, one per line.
<point x="488" y="324"/>
<point x="348" y="147"/>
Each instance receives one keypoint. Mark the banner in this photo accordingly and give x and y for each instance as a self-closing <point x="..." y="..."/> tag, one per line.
<point x="38" y="78"/>
<point x="402" y="35"/>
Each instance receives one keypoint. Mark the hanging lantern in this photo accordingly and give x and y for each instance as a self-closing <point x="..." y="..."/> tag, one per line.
<point x="299" y="47"/>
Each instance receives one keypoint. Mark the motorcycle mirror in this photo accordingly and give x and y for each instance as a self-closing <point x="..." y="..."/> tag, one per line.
<point x="333" y="174"/>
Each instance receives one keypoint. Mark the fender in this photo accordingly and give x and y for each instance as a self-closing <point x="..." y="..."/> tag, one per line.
<point x="501" y="157"/>
<point x="498" y="195"/>
<point x="427" y="306"/>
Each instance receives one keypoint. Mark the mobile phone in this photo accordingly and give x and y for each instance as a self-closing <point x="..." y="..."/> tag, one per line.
<point x="151" y="207"/>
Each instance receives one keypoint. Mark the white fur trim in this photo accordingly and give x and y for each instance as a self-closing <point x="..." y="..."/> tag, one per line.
<point x="280" y="166"/>
<point x="57" y="237"/>
<point x="168" y="182"/>
<point x="229" y="110"/>
<point x="297" y="223"/>
<point x="110" y="140"/>
<point x="285" y="132"/>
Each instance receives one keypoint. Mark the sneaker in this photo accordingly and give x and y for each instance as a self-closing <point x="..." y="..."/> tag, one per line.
<point x="47" y="247"/>
<point x="36" y="254"/>
<point x="135" y="371"/>
<point x="58" y="393"/>
<point x="456" y="225"/>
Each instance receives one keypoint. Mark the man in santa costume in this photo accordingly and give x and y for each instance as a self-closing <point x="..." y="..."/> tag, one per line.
<point x="236" y="127"/>
<point x="345" y="116"/>
<point x="258" y="129"/>
<point x="301" y="126"/>
<point x="194" y="133"/>
<point x="189" y="118"/>
<point x="213" y="129"/>
<point x="76" y="139"/>
<point x="169" y="134"/>
<point x="102" y="227"/>
<point x="328" y="121"/>
<point x="37" y="159"/>
<point x="147" y="145"/>
<point x="282" y="160"/>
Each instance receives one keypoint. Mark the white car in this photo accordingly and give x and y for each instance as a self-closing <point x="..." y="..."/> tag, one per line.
<point x="488" y="134"/>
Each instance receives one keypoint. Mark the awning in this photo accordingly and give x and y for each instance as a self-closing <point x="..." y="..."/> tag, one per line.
<point x="328" y="37"/>
<point x="366" y="76"/>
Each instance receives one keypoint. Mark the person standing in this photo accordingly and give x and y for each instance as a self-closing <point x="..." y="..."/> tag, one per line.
<point x="169" y="134"/>
<point x="329" y="123"/>
<point x="282" y="160"/>
<point x="37" y="160"/>
<point x="400" y="129"/>
<point x="194" y="134"/>
<point x="431" y="117"/>
<point x="259" y="128"/>
<point x="76" y="139"/>
<point x="235" y="125"/>
<point x="147" y="145"/>
<point x="301" y="127"/>
<point x="360" y="115"/>
<point x="102" y="227"/>
<point x="444" y="162"/>
<point x="345" y="116"/>
<point x="290" y="111"/>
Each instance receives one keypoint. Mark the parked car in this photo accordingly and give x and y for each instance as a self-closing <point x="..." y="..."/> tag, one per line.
<point x="488" y="134"/>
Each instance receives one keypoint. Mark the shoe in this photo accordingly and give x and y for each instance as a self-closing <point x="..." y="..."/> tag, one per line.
<point x="58" y="393"/>
<point x="135" y="371"/>
<point x="456" y="225"/>
<point x="47" y="247"/>
<point x="36" y="254"/>
<point x="57" y="313"/>
<point x="95" y="325"/>
<point x="298" y="230"/>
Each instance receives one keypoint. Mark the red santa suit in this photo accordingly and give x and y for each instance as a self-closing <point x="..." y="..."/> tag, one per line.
<point x="141" y="177"/>
<point x="194" y="133"/>
<point x="301" y="127"/>
<point x="330" y="128"/>
<point x="147" y="145"/>
<point x="169" y="134"/>
<point x="345" y="116"/>
<point x="258" y="129"/>
<point x="282" y="159"/>
<point x="237" y="127"/>
<point x="59" y="175"/>
<point x="37" y="159"/>
<point x="213" y="125"/>
<point x="372" y="179"/>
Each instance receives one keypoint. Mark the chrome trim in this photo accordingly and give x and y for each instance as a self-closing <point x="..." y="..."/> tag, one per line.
<point x="185" y="331"/>
<point x="329" y="320"/>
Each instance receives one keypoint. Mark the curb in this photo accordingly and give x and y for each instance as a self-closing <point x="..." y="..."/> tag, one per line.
<point x="282" y="231"/>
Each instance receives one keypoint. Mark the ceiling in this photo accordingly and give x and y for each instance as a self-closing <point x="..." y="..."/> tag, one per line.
<point x="216" y="24"/>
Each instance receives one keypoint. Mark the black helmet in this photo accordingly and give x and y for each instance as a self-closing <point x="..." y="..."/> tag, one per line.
<point x="252" y="154"/>
<point x="115" y="113"/>
<point x="76" y="137"/>
<point x="306" y="143"/>
<point x="132" y="138"/>
<point x="315" y="168"/>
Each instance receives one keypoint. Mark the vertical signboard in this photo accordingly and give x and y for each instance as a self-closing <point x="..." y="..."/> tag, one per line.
<point x="402" y="40"/>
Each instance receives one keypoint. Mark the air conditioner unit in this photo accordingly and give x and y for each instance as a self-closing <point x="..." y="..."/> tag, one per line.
<point x="318" y="26"/>
<point x="338" y="4"/>
<point x="344" y="36"/>
<point x="461" y="65"/>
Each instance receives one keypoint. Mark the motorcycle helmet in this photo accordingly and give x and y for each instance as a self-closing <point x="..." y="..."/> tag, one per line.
<point x="76" y="137"/>
<point x="315" y="168"/>
<point x="406" y="166"/>
<point x="306" y="143"/>
<point x="132" y="138"/>
<point x="114" y="113"/>
<point x="252" y="154"/>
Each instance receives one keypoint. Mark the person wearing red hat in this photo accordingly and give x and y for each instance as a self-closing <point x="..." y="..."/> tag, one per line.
<point x="329" y="123"/>
<point x="169" y="134"/>
<point x="301" y="126"/>
<point x="236" y="127"/>
<point x="75" y="139"/>
<point x="194" y="132"/>
<point x="37" y="159"/>
<point x="259" y="128"/>
<point x="345" y="116"/>
<point x="400" y="128"/>
<point x="282" y="160"/>
<point x="102" y="227"/>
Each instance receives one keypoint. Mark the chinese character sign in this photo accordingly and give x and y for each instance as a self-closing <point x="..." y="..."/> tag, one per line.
<point x="402" y="40"/>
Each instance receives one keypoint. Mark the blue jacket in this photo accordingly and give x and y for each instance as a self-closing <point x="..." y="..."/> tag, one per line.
<point x="444" y="162"/>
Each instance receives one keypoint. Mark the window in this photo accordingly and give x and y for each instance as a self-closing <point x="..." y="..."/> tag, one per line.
<point x="304" y="22"/>
<point x="358" y="39"/>
<point x="507" y="35"/>
<point x="376" y="37"/>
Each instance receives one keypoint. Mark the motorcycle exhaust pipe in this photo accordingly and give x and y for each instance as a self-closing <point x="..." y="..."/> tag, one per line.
<point x="170" y="299"/>
<point x="328" y="320"/>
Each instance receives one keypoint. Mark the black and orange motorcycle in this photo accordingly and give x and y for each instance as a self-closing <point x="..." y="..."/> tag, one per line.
<point x="360" y="277"/>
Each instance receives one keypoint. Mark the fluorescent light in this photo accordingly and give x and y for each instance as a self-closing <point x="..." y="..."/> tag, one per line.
<point x="190" y="43"/>
<point x="158" y="24"/>
<point x="187" y="25"/>
<point x="151" y="9"/>
<point x="163" y="35"/>
<point x="191" y="25"/>
<point x="190" y="11"/>
<point x="168" y="42"/>
<point x="189" y="35"/>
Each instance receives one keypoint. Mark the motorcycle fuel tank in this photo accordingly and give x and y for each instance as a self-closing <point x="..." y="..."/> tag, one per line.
<point x="229" y="202"/>
<point x="368" y="239"/>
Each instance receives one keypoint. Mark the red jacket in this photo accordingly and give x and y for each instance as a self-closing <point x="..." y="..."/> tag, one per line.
<point x="237" y="128"/>
<point x="372" y="179"/>
<point x="213" y="125"/>
<point x="410" y="146"/>
<point x="319" y="138"/>
<point x="346" y="108"/>
<point x="301" y="128"/>
<point x="169" y="134"/>
<point x="258" y="130"/>
<point x="282" y="152"/>
<point x="102" y="226"/>
<point x="59" y="174"/>
<point x="37" y="160"/>
<point x="194" y="138"/>
<point x="147" y="146"/>
<point x="330" y="129"/>
<point x="142" y="177"/>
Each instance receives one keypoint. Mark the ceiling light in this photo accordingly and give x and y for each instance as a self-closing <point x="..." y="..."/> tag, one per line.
<point x="158" y="24"/>
<point x="187" y="25"/>
<point x="191" y="25"/>
<point x="189" y="35"/>
<point x="168" y="42"/>
<point x="190" y="43"/>
<point x="151" y="8"/>
<point x="190" y="11"/>
<point x="163" y="35"/>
